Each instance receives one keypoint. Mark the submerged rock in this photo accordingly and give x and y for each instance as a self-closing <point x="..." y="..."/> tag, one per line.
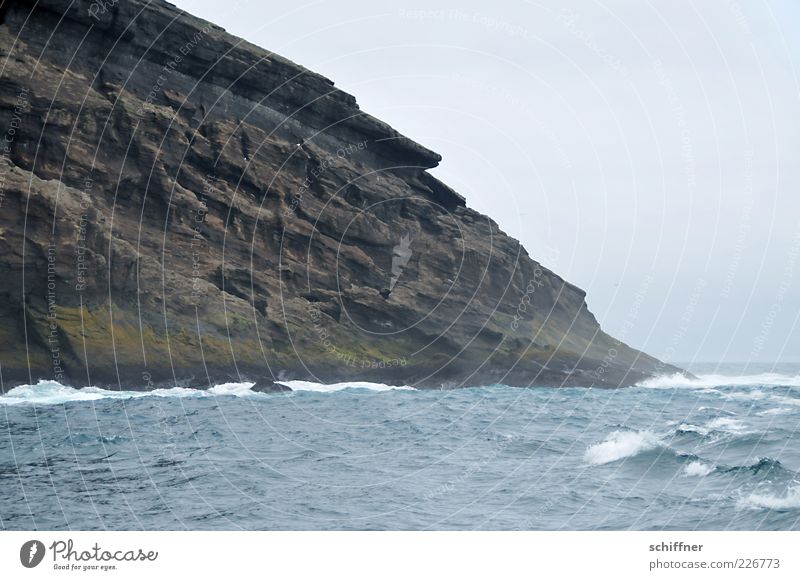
<point x="180" y="205"/>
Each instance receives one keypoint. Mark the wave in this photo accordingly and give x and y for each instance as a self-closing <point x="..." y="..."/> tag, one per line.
<point x="235" y="389"/>
<point x="757" y="395"/>
<point x="764" y="464"/>
<point x="688" y="428"/>
<point x="726" y="425"/>
<point x="789" y="501"/>
<point x="621" y="444"/>
<point x="626" y="444"/>
<point x="54" y="393"/>
<point x="785" y="401"/>
<point x="697" y="469"/>
<point x="777" y="411"/>
<point x="323" y="388"/>
<point x="681" y="381"/>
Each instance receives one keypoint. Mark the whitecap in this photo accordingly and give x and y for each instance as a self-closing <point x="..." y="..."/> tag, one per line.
<point x="621" y="444"/>
<point x="776" y="411"/>
<point x="747" y="395"/>
<point x="682" y="381"/>
<point x="235" y="389"/>
<point x="177" y="392"/>
<point x="697" y="469"/>
<point x="323" y="388"/>
<point x="785" y="400"/>
<point x="774" y="502"/>
<point x="689" y="428"/>
<point x="54" y="393"/>
<point x="725" y="424"/>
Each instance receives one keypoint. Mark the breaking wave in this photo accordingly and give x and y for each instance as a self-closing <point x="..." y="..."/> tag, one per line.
<point x="54" y="393"/>
<point x="681" y="381"/>
<point x="788" y="501"/>
<point x="323" y="388"/>
<point x="718" y="425"/>
<point x="697" y="469"/>
<point x="621" y="444"/>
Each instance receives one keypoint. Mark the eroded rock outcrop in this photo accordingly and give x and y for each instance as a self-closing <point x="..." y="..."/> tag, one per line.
<point x="180" y="205"/>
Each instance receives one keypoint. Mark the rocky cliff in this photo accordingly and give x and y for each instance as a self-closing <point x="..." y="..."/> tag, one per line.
<point x="180" y="205"/>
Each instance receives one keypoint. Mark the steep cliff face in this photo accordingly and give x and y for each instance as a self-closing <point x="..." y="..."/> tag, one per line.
<point x="180" y="205"/>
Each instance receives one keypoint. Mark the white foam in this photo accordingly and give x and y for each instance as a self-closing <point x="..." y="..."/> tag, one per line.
<point x="54" y="393"/>
<point x="697" y="469"/>
<point x="681" y="381"/>
<point x="619" y="445"/>
<point x="323" y="388"/>
<point x="172" y="392"/>
<point x="774" y="502"/>
<point x="776" y="411"/>
<point x="785" y="400"/>
<point x="689" y="428"/>
<point x="725" y="424"/>
<point x="747" y="396"/>
<point x="235" y="389"/>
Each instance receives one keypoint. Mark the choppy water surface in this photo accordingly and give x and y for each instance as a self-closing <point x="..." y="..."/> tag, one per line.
<point x="717" y="453"/>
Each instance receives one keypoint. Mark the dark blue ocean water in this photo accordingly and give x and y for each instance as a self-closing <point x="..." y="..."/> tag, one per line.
<point x="718" y="453"/>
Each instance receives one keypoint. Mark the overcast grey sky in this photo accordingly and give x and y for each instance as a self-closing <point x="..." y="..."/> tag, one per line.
<point x="647" y="151"/>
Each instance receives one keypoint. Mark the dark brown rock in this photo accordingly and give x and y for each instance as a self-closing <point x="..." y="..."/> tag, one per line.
<point x="182" y="207"/>
<point x="267" y="386"/>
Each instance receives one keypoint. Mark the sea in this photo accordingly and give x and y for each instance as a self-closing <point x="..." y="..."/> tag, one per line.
<point x="719" y="452"/>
